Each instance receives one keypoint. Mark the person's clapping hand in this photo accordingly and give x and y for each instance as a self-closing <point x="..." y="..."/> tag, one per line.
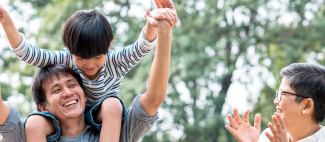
<point x="279" y="132"/>
<point x="241" y="129"/>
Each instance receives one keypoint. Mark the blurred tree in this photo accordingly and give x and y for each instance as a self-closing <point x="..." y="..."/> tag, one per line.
<point x="297" y="40"/>
<point x="213" y="39"/>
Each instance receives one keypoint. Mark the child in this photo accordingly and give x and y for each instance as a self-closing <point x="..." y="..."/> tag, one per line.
<point x="87" y="36"/>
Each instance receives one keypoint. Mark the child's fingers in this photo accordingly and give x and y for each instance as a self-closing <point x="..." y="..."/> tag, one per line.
<point x="147" y="13"/>
<point x="157" y="16"/>
<point x="257" y="122"/>
<point x="232" y="122"/>
<point x="237" y="117"/>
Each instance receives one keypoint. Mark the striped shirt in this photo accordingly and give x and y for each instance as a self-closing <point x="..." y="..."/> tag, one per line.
<point x="108" y="82"/>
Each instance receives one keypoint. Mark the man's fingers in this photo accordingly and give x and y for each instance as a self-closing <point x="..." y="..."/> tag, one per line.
<point x="174" y="13"/>
<point x="246" y="116"/>
<point x="174" y="17"/>
<point x="232" y="122"/>
<point x="237" y="117"/>
<point x="170" y="19"/>
<point x="257" y="122"/>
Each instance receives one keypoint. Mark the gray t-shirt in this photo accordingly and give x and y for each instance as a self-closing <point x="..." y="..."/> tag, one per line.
<point x="137" y="123"/>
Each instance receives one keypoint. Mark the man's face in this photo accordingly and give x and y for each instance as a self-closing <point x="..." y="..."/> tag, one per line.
<point x="65" y="97"/>
<point x="90" y="67"/>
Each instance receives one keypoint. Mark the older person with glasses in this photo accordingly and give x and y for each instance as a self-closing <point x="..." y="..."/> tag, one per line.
<point x="300" y="104"/>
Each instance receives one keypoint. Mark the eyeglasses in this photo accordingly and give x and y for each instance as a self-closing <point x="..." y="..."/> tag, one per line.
<point x="280" y="92"/>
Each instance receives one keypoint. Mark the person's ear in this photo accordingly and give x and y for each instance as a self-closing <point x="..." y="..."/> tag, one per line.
<point x="42" y="107"/>
<point x="308" y="106"/>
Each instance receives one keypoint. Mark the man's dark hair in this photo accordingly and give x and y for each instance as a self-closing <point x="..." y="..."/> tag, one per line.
<point x="45" y="75"/>
<point x="308" y="80"/>
<point x="87" y="34"/>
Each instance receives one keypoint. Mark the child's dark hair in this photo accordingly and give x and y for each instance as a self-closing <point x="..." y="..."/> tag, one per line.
<point x="45" y="75"/>
<point x="87" y="34"/>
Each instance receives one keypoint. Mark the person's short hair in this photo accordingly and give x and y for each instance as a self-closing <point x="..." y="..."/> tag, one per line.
<point x="308" y="80"/>
<point x="87" y="34"/>
<point x="45" y="75"/>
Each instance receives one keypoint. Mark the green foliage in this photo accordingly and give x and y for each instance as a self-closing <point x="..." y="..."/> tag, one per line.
<point x="212" y="40"/>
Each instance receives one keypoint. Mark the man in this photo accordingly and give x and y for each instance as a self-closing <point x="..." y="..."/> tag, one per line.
<point x="65" y="100"/>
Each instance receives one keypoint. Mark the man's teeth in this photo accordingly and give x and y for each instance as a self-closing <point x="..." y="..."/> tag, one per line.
<point x="279" y="111"/>
<point x="70" y="103"/>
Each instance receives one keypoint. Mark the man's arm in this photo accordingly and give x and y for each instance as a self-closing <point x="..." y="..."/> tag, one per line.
<point x="5" y="111"/>
<point x="9" y="27"/>
<point x="159" y="73"/>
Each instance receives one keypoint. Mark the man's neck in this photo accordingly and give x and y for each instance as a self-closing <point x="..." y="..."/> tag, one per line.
<point x="73" y="127"/>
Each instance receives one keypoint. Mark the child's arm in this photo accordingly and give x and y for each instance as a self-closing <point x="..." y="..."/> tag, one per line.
<point x="122" y="61"/>
<point x="9" y="27"/>
<point x="27" y="52"/>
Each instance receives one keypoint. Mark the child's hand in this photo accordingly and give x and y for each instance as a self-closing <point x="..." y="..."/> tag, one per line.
<point x="157" y="21"/>
<point x="4" y="16"/>
<point x="165" y="14"/>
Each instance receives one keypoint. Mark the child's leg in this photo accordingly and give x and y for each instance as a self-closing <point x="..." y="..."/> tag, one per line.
<point x="37" y="127"/>
<point x="110" y="115"/>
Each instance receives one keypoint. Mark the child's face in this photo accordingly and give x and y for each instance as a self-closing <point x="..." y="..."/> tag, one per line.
<point x="90" y="67"/>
